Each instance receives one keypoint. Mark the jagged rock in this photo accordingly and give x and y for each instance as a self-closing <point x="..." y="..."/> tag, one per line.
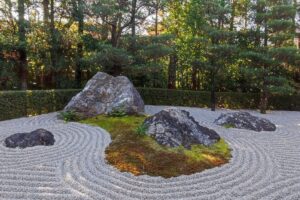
<point x="173" y="127"/>
<point x="244" y="120"/>
<point x="34" y="138"/>
<point x="103" y="94"/>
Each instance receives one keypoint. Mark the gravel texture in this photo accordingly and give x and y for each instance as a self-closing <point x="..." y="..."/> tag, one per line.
<point x="265" y="165"/>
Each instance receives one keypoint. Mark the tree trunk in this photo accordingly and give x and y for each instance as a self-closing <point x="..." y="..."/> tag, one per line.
<point x="133" y="26"/>
<point x="194" y="78"/>
<point x="115" y="70"/>
<point x="199" y="80"/>
<point x="114" y="36"/>
<point x="213" y="92"/>
<point x="22" y="46"/>
<point x="246" y="17"/>
<point x="172" y="72"/>
<point x="78" y="70"/>
<point x="233" y="7"/>
<point x="264" y="100"/>
<point x="42" y="79"/>
<point x="264" y="93"/>
<point x="46" y="12"/>
<point x="156" y="17"/>
<point x="53" y="42"/>
<point x="46" y="29"/>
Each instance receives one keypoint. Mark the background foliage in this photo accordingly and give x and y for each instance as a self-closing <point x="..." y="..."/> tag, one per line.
<point x="216" y="45"/>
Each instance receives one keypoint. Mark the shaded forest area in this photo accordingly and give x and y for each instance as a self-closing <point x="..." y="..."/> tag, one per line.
<point x="211" y="45"/>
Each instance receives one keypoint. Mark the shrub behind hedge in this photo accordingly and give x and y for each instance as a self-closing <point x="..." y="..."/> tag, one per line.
<point x="15" y="104"/>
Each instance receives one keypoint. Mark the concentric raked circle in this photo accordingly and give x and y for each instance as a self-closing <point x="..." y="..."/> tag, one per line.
<point x="264" y="165"/>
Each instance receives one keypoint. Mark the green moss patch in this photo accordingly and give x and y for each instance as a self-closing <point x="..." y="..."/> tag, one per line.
<point x="229" y="126"/>
<point x="131" y="151"/>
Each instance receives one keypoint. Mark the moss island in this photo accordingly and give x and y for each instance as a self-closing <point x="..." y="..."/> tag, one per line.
<point x="135" y="152"/>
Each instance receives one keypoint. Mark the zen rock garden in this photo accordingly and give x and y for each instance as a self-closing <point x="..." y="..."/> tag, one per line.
<point x="121" y="149"/>
<point x="149" y="100"/>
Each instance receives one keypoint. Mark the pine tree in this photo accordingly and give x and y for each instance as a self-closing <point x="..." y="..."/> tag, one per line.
<point x="175" y="24"/>
<point x="272" y="49"/>
<point x="210" y="20"/>
<point x="23" y="71"/>
<point x="78" y="14"/>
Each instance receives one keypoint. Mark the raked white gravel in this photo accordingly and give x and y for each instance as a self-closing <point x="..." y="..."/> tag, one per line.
<point x="265" y="165"/>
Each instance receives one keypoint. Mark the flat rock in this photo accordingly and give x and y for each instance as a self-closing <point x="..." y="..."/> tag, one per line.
<point x="173" y="127"/>
<point x="244" y="120"/>
<point x="34" y="138"/>
<point x="105" y="93"/>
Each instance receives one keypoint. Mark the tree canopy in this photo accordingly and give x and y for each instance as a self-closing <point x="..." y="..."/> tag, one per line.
<point x="215" y="45"/>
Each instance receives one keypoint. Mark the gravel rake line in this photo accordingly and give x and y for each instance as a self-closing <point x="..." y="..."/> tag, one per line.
<point x="70" y="141"/>
<point x="125" y="185"/>
<point x="264" y="165"/>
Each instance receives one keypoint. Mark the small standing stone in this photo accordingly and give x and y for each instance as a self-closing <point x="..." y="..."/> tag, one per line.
<point x="244" y="120"/>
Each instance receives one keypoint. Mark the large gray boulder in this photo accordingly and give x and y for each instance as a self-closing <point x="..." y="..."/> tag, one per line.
<point x="173" y="127"/>
<point x="104" y="93"/>
<point x="244" y="120"/>
<point x="34" y="138"/>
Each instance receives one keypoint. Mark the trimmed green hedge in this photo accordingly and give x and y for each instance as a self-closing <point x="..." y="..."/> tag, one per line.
<point x="230" y="100"/>
<point x="198" y="98"/>
<point x="285" y="102"/>
<point x="14" y="104"/>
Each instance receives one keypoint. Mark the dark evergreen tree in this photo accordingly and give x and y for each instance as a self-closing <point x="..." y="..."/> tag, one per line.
<point x="272" y="49"/>
<point x="22" y="51"/>
<point x="210" y="20"/>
